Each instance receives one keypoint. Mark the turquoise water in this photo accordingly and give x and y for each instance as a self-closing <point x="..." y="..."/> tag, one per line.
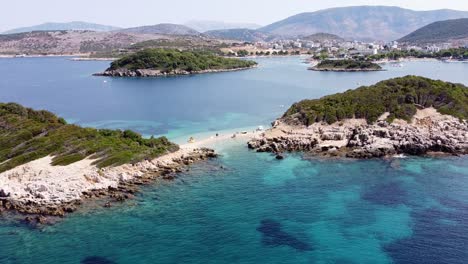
<point x="251" y="208"/>
<point x="244" y="207"/>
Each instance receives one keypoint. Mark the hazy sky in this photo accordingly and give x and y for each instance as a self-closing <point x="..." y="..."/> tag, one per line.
<point x="127" y="13"/>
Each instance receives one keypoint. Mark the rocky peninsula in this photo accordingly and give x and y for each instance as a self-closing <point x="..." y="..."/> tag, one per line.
<point x="41" y="189"/>
<point x="49" y="167"/>
<point x="417" y="116"/>
<point x="346" y="66"/>
<point x="168" y="62"/>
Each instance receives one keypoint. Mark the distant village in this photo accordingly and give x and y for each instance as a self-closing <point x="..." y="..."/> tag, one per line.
<point x="333" y="48"/>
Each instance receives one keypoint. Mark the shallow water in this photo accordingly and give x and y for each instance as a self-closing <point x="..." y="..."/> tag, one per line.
<point x="244" y="207"/>
<point x="256" y="209"/>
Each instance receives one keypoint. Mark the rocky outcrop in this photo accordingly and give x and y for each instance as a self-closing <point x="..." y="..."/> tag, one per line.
<point x="157" y="73"/>
<point x="344" y="69"/>
<point x="49" y="191"/>
<point x="428" y="132"/>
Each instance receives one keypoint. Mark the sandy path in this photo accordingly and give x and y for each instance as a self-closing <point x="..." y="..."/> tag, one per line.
<point x="40" y="182"/>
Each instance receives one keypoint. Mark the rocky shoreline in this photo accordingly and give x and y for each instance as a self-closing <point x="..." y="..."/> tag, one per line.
<point x="343" y="70"/>
<point x="428" y="132"/>
<point x="158" y="73"/>
<point x="43" y="191"/>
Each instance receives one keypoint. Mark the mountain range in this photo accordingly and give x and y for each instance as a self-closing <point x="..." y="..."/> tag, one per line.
<point x="75" y="25"/>
<point x="361" y="22"/>
<point x="353" y="23"/>
<point x="438" y="32"/>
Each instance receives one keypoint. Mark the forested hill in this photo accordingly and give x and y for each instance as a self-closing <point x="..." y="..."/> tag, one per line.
<point x="400" y="97"/>
<point x="168" y="60"/>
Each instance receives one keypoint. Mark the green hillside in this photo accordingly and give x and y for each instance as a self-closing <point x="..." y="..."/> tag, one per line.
<point x="27" y="135"/>
<point x="400" y="97"/>
<point x="168" y="60"/>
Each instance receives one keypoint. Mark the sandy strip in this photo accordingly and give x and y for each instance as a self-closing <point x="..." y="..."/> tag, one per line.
<point x="40" y="182"/>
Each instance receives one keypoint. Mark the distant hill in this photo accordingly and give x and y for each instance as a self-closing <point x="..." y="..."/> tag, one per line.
<point x="69" y="42"/>
<point x="437" y="32"/>
<point x="241" y="34"/>
<point x="361" y="22"/>
<point x="75" y="25"/>
<point x="205" y="25"/>
<point x="319" y="37"/>
<point x="163" y="29"/>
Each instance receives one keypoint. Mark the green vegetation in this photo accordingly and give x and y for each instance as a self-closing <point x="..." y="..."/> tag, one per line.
<point x="27" y="135"/>
<point x="454" y="53"/>
<point x="400" y="97"/>
<point x="347" y="65"/>
<point x="168" y="60"/>
<point x="242" y="53"/>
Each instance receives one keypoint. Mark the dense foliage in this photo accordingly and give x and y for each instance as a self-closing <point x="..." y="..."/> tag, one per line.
<point x="168" y="60"/>
<point x="454" y="53"/>
<point x="27" y="135"/>
<point x="400" y="97"/>
<point x="347" y="65"/>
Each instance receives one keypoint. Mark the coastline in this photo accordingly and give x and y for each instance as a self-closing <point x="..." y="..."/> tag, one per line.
<point x="20" y="56"/>
<point x="428" y="132"/>
<point x="92" y="59"/>
<point x="39" y="190"/>
<point x="158" y="73"/>
<point x="343" y="70"/>
<point x="314" y="62"/>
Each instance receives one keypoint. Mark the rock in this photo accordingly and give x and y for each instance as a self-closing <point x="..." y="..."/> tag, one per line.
<point x="356" y="140"/>
<point x="34" y="221"/>
<point x="279" y="156"/>
<point x="41" y="219"/>
<point x="120" y="183"/>
<point x="3" y="194"/>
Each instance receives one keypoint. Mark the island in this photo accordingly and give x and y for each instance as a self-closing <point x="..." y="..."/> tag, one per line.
<point x="346" y="66"/>
<point x="48" y="167"/>
<point x="409" y="115"/>
<point x="167" y="62"/>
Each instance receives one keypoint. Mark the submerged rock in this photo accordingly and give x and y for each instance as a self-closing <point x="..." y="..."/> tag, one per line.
<point x="279" y="156"/>
<point x="97" y="260"/>
<point x="273" y="235"/>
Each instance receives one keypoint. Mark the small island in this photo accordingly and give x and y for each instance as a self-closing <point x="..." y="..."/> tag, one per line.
<point x="346" y="66"/>
<point x="48" y="167"/>
<point x="409" y="115"/>
<point x="171" y="62"/>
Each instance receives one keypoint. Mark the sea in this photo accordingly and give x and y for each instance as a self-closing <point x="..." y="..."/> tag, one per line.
<point x="243" y="207"/>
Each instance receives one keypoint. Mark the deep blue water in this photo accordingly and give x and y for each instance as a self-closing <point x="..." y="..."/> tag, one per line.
<point x="181" y="106"/>
<point x="244" y="207"/>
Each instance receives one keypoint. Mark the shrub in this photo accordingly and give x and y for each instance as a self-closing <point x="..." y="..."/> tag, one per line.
<point x="400" y="97"/>
<point x="26" y="135"/>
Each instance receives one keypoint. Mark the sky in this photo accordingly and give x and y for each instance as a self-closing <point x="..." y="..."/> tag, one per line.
<point x="128" y="13"/>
